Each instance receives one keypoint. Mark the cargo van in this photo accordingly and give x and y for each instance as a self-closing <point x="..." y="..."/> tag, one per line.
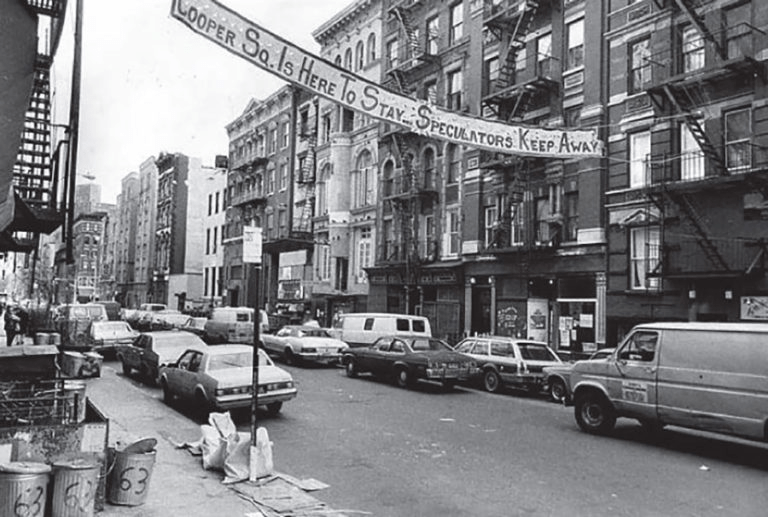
<point x="363" y="328"/>
<point x="706" y="376"/>
<point x="233" y="325"/>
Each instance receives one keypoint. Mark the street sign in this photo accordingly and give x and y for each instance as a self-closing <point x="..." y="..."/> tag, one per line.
<point x="252" y="238"/>
<point x="277" y="56"/>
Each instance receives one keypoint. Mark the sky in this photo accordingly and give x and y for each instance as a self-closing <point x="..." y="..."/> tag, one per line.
<point x="149" y="84"/>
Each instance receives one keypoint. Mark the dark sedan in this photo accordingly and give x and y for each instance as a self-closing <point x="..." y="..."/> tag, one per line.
<point x="408" y="359"/>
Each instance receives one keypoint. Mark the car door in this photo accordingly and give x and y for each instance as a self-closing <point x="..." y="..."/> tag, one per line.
<point x="373" y="357"/>
<point x="187" y="373"/>
<point x="632" y="378"/>
<point x="132" y="353"/>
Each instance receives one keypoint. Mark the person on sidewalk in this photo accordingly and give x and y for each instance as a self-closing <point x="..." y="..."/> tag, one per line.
<point x="12" y="325"/>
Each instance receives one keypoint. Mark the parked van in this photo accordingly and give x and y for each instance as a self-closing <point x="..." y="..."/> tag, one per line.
<point x="71" y="321"/>
<point x="363" y="328"/>
<point x="707" y="376"/>
<point x="233" y="325"/>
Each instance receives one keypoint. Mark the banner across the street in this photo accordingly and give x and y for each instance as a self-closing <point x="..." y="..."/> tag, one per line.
<point x="272" y="53"/>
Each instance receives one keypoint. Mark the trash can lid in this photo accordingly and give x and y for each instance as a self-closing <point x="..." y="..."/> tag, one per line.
<point x="74" y="464"/>
<point x="24" y="467"/>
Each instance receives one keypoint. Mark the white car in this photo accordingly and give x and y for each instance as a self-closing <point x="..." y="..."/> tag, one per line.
<point x="558" y="378"/>
<point x="219" y="378"/>
<point x="296" y="343"/>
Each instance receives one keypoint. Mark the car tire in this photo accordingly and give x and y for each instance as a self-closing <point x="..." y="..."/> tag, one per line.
<point x="351" y="368"/>
<point x="491" y="381"/>
<point x="594" y="414"/>
<point x="274" y="408"/>
<point x="557" y="390"/>
<point x="288" y="357"/>
<point x="126" y="369"/>
<point x="403" y="378"/>
<point x="202" y="406"/>
<point x="167" y="395"/>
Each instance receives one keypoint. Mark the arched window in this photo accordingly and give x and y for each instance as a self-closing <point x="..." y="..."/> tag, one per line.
<point x="363" y="180"/>
<point x="322" y="190"/>
<point x="372" y="47"/>
<point x="388" y="176"/>
<point x="429" y="168"/>
<point x="337" y="61"/>
<point x="359" y="56"/>
<point x="348" y="59"/>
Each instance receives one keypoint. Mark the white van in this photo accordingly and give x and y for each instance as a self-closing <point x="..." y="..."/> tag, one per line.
<point x="707" y="376"/>
<point x="233" y="325"/>
<point x="363" y="328"/>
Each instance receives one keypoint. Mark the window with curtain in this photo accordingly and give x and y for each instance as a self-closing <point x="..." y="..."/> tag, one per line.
<point x="639" y="66"/>
<point x="639" y="152"/>
<point x="575" y="56"/>
<point x="644" y="257"/>
<point x="692" y="46"/>
<point x="433" y="35"/>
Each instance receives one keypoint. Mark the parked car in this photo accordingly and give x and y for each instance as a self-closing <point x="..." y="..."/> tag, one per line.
<point x="153" y="350"/>
<point x="557" y="378"/>
<point x="408" y="359"/>
<point x="195" y="325"/>
<point x="106" y="336"/>
<point x="165" y="319"/>
<point x="296" y="343"/>
<point x="507" y="361"/>
<point x="112" y="308"/>
<point x="233" y="325"/>
<point x="363" y="328"/>
<point x="219" y="378"/>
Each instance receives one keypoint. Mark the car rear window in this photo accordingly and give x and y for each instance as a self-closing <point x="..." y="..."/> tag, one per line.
<point x="428" y="344"/>
<point x="234" y="360"/>
<point x="502" y="349"/>
<point x="536" y="352"/>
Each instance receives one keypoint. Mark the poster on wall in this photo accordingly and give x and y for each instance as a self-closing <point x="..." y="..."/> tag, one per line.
<point x="511" y="318"/>
<point x="754" y="308"/>
<point x="565" y="327"/>
<point x="538" y="319"/>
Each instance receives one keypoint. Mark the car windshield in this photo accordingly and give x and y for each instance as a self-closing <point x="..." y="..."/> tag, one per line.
<point x="420" y="345"/>
<point x="536" y="352"/>
<point x="112" y="327"/>
<point x="235" y="360"/>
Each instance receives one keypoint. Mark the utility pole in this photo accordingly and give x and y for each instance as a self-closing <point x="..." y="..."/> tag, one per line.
<point x="74" y="129"/>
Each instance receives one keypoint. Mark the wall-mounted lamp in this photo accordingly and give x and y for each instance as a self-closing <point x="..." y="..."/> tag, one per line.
<point x="728" y="294"/>
<point x="472" y="280"/>
<point x="692" y="294"/>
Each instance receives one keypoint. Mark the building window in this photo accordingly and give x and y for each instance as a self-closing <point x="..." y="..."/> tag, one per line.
<point x="392" y="57"/>
<point x="454" y="237"/>
<point x="693" y="49"/>
<point x="644" y="259"/>
<point x="217" y="203"/>
<point x="453" y="159"/>
<point x="210" y="204"/>
<point x="326" y="126"/>
<point x="347" y="120"/>
<point x="433" y="35"/>
<point x="453" y="90"/>
<point x="271" y="181"/>
<point x="363" y="181"/>
<point x="738" y="146"/>
<point x="283" y="176"/>
<point x="348" y="59"/>
<point x="337" y="61"/>
<point x="427" y="243"/>
<point x="215" y="239"/>
<point x="639" y="153"/>
<point x="456" y="30"/>
<point x="272" y="141"/>
<point x="572" y="116"/>
<point x="575" y="44"/>
<point x="371" y="48"/>
<point x="208" y="241"/>
<point x="691" y="157"/>
<point x="322" y="190"/>
<point x="491" y="222"/>
<point x="738" y="36"/>
<point x="517" y="220"/>
<point x="571" y="217"/>
<point x="544" y="55"/>
<point x="429" y="168"/>
<point x="492" y="75"/>
<point x="286" y="134"/>
<point x="430" y="91"/>
<point x="270" y="226"/>
<point x="359" y="56"/>
<point x="364" y="250"/>
<point x="639" y="66"/>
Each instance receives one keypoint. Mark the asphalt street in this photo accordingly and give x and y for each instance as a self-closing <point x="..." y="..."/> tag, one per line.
<point x="426" y="452"/>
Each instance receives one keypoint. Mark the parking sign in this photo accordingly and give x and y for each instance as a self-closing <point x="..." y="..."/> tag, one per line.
<point x="252" y="244"/>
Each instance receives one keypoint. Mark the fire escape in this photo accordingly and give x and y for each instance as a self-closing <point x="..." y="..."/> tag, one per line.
<point x="683" y="80"/>
<point x="35" y="177"/>
<point x="306" y="180"/>
<point x="410" y="190"/>
<point x="509" y="95"/>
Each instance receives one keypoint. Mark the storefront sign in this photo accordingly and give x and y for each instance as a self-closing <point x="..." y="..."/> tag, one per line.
<point x="277" y="56"/>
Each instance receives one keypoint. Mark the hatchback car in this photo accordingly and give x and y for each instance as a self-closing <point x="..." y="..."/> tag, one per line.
<point x="106" y="336"/>
<point x="507" y="361"/>
<point x="407" y="359"/>
<point x="220" y="378"/>
<point x="153" y="350"/>
<point x="296" y="343"/>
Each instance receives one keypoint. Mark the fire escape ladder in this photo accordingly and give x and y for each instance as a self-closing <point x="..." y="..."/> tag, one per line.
<point x="32" y="170"/>
<point x="692" y="121"/>
<point x="688" y="7"/>
<point x="710" y="250"/>
<point x="411" y="35"/>
<point x="307" y="180"/>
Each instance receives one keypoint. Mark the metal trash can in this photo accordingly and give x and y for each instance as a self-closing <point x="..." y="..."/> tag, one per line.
<point x="75" y="483"/>
<point x="75" y="392"/>
<point x="23" y="488"/>
<point x="129" y="478"/>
